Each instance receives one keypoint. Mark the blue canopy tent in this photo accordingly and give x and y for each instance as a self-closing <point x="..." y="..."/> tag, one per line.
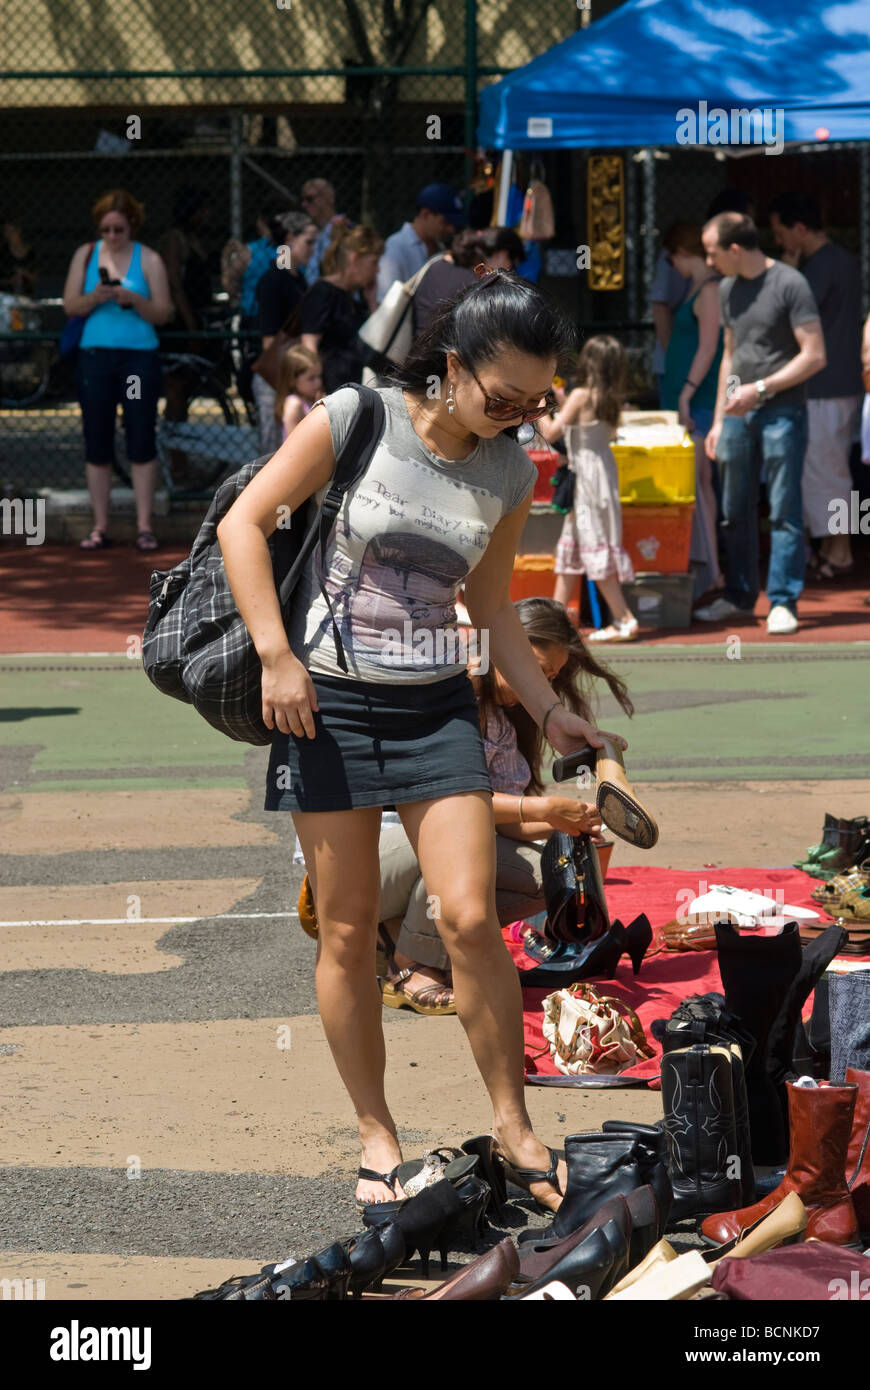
<point x="625" y="79"/>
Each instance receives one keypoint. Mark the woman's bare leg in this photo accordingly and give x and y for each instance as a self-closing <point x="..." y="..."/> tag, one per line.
<point x="614" y="598"/>
<point x="704" y="475"/>
<point x="454" y="840"/>
<point x="341" y="856"/>
<point x="99" y="488"/>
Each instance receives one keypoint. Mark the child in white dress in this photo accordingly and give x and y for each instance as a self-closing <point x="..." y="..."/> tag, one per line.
<point x="591" y="539"/>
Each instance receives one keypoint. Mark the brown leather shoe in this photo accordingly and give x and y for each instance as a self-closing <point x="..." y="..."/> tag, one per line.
<point x="484" y="1280"/>
<point x="858" y="1157"/>
<point x="820" y="1125"/>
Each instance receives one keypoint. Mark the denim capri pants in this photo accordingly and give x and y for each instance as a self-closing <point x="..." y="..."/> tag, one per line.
<point x="380" y="745"/>
<point x="103" y="377"/>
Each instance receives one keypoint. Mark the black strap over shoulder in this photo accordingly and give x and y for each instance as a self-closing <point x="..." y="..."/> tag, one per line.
<point x="351" y="463"/>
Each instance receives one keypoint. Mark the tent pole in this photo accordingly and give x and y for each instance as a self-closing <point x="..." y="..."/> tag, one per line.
<point x="648" y="224"/>
<point x="631" y="225"/>
<point x="865" y="227"/>
<point x="504" y="183"/>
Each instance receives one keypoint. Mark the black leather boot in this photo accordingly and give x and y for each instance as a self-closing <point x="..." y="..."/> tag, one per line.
<point x="758" y="973"/>
<point x="816" y="956"/>
<point x="698" y="1098"/>
<point x="599" y="1166"/>
<point x="652" y="1161"/>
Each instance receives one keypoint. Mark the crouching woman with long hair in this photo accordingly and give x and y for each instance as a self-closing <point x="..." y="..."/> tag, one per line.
<point x="442" y="504"/>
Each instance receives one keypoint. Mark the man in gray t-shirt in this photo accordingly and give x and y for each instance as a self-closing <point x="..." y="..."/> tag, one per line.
<point x="772" y="344"/>
<point x="834" y="403"/>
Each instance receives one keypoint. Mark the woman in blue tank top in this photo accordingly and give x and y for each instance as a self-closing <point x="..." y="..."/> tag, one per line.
<point x="121" y="289"/>
<point x="691" y="378"/>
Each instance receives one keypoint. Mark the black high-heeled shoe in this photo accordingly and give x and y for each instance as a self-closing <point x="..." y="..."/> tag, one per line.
<point x="638" y="939"/>
<point x="593" y="1264"/>
<point x="437" y="1216"/>
<point x="334" y="1263"/>
<point x="303" y="1282"/>
<point x="483" y="1146"/>
<point x="374" y="1254"/>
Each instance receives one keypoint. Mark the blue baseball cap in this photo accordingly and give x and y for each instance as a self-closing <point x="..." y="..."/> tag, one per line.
<point x="440" y="197"/>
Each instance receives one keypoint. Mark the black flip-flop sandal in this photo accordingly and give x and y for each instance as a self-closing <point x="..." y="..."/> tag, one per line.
<point x="388" y="1179"/>
<point x="524" y="1177"/>
<point x="101" y="542"/>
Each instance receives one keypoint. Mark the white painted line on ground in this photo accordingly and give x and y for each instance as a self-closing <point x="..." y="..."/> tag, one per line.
<point x="130" y="921"/>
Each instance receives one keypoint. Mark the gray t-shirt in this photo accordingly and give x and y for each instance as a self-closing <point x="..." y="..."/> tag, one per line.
<point x="762" y="314"/>
<point x="406" y="536"/>
<point x="834" y="276"/>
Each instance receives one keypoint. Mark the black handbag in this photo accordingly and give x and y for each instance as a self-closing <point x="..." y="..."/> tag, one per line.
<point x="573" y="889"/>
<point x="195" y="646"/>
<point x="563" y="483"/>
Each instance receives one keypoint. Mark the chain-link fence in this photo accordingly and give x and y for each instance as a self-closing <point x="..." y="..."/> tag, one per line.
<point x="214" y="117"/>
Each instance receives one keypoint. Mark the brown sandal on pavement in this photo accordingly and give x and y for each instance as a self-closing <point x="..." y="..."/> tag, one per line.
<point x="97" y="540"/>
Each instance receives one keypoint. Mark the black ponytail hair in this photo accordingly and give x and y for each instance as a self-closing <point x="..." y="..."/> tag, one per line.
<point x="501" y="312"/>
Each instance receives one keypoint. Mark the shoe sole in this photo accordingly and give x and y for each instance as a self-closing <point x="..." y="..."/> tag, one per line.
<point x="625" y="818"/>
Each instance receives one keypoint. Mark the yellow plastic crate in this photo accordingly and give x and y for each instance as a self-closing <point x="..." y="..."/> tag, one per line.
<point x="664" y="473"/>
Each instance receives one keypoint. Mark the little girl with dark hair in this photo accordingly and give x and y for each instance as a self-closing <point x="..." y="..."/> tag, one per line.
<point x="591" y="539"/>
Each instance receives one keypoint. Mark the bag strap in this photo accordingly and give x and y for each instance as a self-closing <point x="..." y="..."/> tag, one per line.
<point x="410" y="287"/>
<point x="350" y="465"/>
<point x="638" y="1036"/>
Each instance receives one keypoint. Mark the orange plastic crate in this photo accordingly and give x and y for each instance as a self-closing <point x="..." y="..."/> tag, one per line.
<point x="533" y="577"/>
<point x="658" y="538"/>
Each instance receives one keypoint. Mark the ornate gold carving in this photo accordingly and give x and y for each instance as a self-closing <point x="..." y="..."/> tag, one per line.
<point x="605" y="220"/>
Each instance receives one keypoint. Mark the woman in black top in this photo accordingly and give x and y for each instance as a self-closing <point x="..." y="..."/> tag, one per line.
<point x="331" y="314"/>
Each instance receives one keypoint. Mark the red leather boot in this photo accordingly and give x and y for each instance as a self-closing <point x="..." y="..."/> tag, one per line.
<point x="858" y="1158"/>
<point x="820" y="1127"/>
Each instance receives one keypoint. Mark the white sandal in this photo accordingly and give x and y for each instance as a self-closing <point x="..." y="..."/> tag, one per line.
<point x="616" y="632"/>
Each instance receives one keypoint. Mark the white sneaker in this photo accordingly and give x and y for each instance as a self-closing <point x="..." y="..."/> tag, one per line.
<point x="717" y="611"/>
<point x="781" y="621"/>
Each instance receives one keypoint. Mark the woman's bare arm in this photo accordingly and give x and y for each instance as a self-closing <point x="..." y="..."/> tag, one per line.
<point x="301" y="466"/>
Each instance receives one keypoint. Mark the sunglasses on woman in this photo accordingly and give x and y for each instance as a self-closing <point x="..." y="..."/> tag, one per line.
<point x="497" y="408"/>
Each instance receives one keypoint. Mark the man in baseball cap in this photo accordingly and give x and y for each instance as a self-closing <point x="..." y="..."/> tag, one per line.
<point x="439" y="214"/>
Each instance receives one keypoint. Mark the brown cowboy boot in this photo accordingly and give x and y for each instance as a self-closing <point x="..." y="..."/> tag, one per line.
<point x="858" y="1157"/>
<point x="820" y="1123"/>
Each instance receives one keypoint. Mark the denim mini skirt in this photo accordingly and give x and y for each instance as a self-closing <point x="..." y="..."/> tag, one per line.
<point x="380" y="745"/>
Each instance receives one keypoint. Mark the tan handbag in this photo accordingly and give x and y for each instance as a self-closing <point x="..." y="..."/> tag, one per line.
<point x="590" y="1032"/>
<point x="537" y="222"/>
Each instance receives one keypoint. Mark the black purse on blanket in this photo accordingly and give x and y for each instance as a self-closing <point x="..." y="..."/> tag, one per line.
<point x="573" y="889"/>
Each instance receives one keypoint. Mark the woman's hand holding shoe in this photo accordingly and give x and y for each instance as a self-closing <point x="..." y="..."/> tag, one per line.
<point x="289" y="697"/>
<point x="572" y="816"/>
<point x="567" y="731"/>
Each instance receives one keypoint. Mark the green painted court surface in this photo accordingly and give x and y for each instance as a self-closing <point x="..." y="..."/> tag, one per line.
<point x="771" y="713"/>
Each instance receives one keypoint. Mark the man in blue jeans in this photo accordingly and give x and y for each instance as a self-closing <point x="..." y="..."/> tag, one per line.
<point x="773" y="343"/>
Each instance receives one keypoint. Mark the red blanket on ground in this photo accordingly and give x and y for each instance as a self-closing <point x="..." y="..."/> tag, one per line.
<point x="671" y="976"/>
